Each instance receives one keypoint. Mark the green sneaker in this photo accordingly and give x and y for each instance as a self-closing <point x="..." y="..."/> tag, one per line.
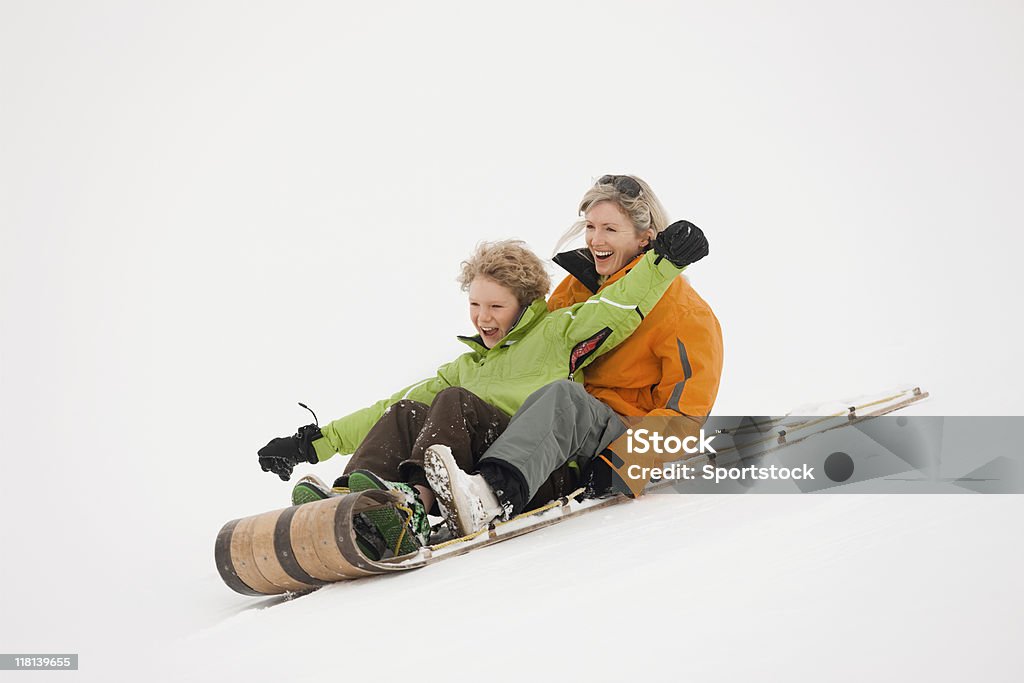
<point x="310" y="489"/>
<point x="404" y="530"/>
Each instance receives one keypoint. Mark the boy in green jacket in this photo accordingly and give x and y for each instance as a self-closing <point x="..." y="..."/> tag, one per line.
<point x="520" y="346"/>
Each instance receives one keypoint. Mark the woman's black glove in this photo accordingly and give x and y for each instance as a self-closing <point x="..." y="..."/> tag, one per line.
<point x="281" y="455"/>
<point x="682" y="243"/>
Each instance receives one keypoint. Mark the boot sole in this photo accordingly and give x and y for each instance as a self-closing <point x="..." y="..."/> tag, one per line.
<point x="369" y="538"/>
<point x="439" y="476"/>
<point x="310" y="489"/>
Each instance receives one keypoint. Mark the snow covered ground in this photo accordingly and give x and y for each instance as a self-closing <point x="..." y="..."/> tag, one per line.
<point x="703" y="587"/>
<point x="210" y="211"/>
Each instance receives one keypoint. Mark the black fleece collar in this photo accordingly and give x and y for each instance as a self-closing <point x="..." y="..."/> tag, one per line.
<point x="579" y="264"/>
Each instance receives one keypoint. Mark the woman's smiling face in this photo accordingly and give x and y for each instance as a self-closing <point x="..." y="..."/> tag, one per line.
<point x="611" y="237"/>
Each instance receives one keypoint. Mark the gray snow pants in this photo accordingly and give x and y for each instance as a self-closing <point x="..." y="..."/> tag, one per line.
<point x="548" y="445"/>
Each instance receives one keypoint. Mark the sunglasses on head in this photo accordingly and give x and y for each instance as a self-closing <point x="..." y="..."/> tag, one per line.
<point x="622" y="183"/>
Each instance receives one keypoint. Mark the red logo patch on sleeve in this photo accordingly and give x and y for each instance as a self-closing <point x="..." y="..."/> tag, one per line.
<point x="585" y="349"/>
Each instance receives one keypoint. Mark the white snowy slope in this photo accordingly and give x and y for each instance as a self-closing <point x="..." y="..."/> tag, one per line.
<point x="669" y="587"/>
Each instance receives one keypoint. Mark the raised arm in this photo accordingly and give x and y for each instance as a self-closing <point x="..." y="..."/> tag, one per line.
<point x="600" y="323"/>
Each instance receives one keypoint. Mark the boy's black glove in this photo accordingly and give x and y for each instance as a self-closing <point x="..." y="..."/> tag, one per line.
<point x="682" y="243"/>
<point x="281" y="455"/>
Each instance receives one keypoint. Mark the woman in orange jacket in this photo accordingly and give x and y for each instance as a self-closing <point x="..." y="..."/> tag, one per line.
<point x="672" y="364"/>
<point x="670" y="367"/>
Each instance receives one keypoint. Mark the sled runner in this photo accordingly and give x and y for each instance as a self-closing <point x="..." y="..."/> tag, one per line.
<point x="301" y="548"/>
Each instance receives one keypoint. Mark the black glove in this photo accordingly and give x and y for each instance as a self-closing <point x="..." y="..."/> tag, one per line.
<point x="281" y="455"/>
<point x="682" y="243"/>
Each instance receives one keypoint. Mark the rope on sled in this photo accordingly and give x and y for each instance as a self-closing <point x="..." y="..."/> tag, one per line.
<point x="561" y="502"/>
<point x="405" y="526"/>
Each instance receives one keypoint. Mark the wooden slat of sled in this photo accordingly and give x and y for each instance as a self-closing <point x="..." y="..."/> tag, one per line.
<point x="325" y="534"/>
<point x="243" y="560"/>
<point x="286" y="554"/>
<point x="304" y="542"/>
<point x="265" y="555"/>
<point x="225" y="566"/>
<point x="300" y="548"/>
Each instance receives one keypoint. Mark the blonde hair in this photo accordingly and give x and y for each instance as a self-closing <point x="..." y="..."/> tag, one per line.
<point x="644" y="211"/>
<point x="512" y="265"/>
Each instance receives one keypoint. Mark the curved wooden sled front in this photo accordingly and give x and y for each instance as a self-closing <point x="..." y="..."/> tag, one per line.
<point x="302" y="547"/>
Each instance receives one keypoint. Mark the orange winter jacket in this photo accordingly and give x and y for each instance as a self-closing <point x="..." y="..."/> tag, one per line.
<point x="672" y="363"/>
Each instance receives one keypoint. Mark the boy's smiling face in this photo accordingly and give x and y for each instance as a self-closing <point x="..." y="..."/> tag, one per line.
<point x="493" y="309"/>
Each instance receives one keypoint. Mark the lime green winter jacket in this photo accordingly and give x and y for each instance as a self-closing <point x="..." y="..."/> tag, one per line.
<point x="541" y="348"/>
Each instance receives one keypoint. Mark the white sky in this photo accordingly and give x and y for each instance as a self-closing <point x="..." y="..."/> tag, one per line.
<point x="209" y="211"/>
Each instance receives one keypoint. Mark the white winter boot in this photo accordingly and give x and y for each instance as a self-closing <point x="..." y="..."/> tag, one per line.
<point x="466" y="500"/>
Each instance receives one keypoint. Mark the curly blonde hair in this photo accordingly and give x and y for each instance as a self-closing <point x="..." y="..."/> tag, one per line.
<point x="645" y="211"/>
<point x="511" y="264"/>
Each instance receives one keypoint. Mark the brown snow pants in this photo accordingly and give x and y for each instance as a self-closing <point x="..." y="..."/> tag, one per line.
<point x="393" y="448"/>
